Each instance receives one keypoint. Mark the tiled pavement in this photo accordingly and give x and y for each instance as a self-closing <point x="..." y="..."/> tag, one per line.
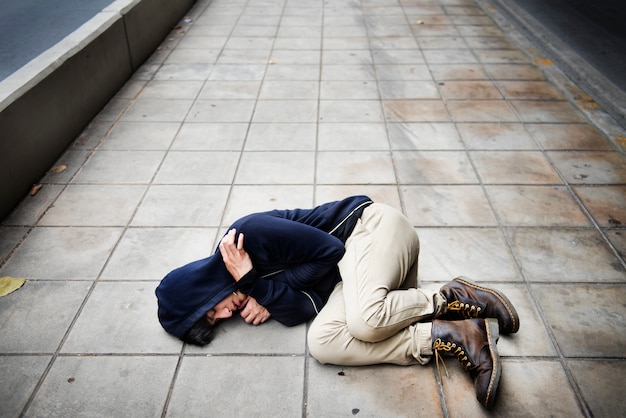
<point x="427" y="105"/>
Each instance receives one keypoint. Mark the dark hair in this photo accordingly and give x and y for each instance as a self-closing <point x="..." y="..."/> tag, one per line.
<point x="200" y="333"/>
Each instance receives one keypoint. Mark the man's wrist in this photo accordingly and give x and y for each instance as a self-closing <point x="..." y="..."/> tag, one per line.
<point x="246" y="283"/>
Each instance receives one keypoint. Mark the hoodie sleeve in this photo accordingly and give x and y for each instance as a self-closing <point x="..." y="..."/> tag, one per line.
<point x="289" y="258"/>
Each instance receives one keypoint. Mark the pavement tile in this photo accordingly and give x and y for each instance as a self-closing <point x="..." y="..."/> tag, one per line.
<point x="529" y="90"/>
<point x="244" y="56"/>
<point x="352" y="136"/>
<point x="514" y="167"/>
<point x="30" y="210"/>
<point x="489" y="42"/>
<point x="10" y="236"/>
<point x="73" y="160"/>
<point x="403" y="72"/>
<point x="481" y="111"/>
<point x="535" y="206"/>
<point x="265" y="197"/>
<point x="618" y="240"/>
<point x="276" y="167"/>
<point x="20" y="375"/>
<point x="524" y="384"/>
<point x="150" y="253"/>
<point x="120" y="167"/>
<point x="237" y="72"/>
<point x="607" y="205"/>
<point x="434" y="167"/>
<point x="148" y="136"/>
<point x="393" y="42"/>
<point x="197" y="167"/>
<point x="496" y="136"/>
<point x="297" y="111"/>
<point x="590" y="167"/>
<point x="415" y="111"/>
<point x="94" y="205"/>
<point x="44" y="308"/>
<point x="381" y="193"/>
<point x="594" y="311"/>
<point x="408" y="90"/>
<point x="181" y="205"/>
<point x="447" y="205"/>
<point x="424" y="136"/>
<point x="569" y="137"/>
<point x="55" y="248"/>
<point x="349" y="391"/>
<point x="478" y="253"/>
<point x="118" y="318"/>
<point x="186" y="71"/>
<point x="210" y="137"/>
<point x="289" y="90"/>
<point x="597" y="382"/>
<point x="469" y="90"/>
<point x="532" y="339"/>
<point x="348" y="57"/>
<point x="501" y="56"/>
<point x="452" y="56"/>
<point x="443" y="72"/>
<point x="514" y="72"/>
<point x="364" y="167"/>
<point x="105" y="386"/>
<point x="281" y="136"/>
<point x="221" y="111"/>
<point x="271" y="339"/>
<point x="350" y="111"/>
<point x="277" y="391"/>
<point x="190" y="56"/>
<point x="583" y="256"/>
<point x="547" y="111"/>
<point x="363" y="72"/>
<point x="350" y="90"/>
<point x="311" y="57"/>
<point x="230" y="89"/>
<point x="397" y="56"/>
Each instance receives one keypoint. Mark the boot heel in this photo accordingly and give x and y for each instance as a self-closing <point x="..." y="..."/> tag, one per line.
<point x="493" y="328"/>
<point x="493" y="333"/>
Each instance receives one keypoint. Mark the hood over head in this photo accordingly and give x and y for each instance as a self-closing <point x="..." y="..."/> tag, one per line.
<point x="190" y="291"/>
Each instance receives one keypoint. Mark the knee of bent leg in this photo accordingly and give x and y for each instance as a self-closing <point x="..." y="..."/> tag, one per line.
<point x="319" y="345"/>
<point x="362" y="330"/>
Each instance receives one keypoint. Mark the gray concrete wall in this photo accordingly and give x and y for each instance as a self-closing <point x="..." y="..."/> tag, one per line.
<point x="45" y="105"/>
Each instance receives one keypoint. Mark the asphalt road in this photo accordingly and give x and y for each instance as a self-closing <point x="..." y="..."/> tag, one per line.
<point x="29" y="27"/>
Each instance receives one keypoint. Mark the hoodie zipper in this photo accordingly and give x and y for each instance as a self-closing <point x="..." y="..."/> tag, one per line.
<point x="369" y="202"/>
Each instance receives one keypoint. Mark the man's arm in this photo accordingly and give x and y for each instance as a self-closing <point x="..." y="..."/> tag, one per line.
<point x="300" y="256"/>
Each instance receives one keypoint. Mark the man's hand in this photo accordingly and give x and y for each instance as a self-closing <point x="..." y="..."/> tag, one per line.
<point x="253" y="313"/>
<point x="236" y="259"/>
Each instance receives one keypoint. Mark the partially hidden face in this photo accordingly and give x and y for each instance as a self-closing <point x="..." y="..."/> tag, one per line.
<point x="226" y="307"/>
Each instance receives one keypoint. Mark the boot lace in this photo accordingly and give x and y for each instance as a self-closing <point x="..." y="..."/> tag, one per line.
<point x="451" y="347"/>
<point x="464" y="309"/>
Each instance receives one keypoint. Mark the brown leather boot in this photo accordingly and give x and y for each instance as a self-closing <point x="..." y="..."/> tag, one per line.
<point x="469" y="300"/>
<point x="473" y="342"/>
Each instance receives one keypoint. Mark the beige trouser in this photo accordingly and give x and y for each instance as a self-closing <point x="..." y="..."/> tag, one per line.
<point x="376" y="314"/>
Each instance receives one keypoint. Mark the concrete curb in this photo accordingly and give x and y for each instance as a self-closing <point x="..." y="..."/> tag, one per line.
<point x="49" y="101"/>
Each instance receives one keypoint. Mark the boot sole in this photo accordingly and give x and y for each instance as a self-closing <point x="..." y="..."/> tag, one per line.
<point x="493" y="333"/>
<point x="505" y="301"/>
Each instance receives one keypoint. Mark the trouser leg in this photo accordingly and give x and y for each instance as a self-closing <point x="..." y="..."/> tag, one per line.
<point x="374" y="315"/>
<point x="330" y="341"/>
<point x="381" y="255"/>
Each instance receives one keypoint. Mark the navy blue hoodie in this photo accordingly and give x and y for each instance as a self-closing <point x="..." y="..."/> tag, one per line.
<point x="294" y="254"/>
